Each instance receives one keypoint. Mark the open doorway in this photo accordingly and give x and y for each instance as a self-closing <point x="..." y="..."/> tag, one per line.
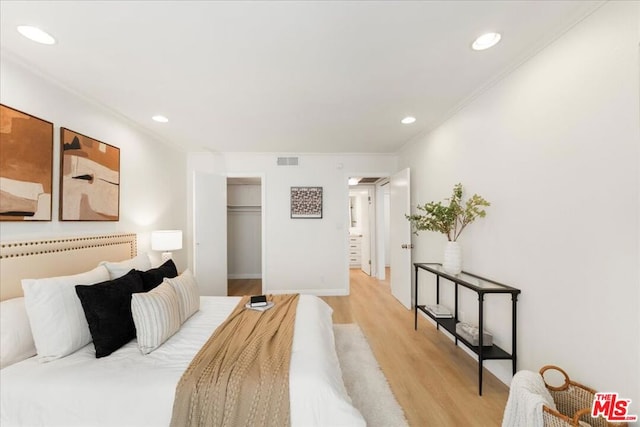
<point x="369" y="225"/>
<point x="244" y="236"/>
<point x="391" y="244"/>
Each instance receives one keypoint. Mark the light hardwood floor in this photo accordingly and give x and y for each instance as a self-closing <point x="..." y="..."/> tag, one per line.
<point x="240" y="287"/>
<point x="434" y="381"/>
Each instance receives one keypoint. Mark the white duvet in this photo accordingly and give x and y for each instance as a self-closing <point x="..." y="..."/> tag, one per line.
<point x="131" y="389"/>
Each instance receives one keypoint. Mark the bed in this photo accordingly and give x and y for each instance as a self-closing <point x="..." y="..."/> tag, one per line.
<point x="129" y="388"/>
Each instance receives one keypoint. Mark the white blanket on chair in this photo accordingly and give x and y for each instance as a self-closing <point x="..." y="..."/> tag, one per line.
<point x="526" y="397"/>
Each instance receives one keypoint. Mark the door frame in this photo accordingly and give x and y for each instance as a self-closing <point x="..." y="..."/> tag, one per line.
<point x="263" y="222"/>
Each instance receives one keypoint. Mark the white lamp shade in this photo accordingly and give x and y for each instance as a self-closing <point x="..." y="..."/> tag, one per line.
<point x="166" y="240"/>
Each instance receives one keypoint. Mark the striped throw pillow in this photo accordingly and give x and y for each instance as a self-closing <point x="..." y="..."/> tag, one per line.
<point x="187" y="289"/>
<point x="156" y="315"/>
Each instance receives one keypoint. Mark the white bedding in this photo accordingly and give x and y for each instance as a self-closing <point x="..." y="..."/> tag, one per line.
<point x="131" y="389"/>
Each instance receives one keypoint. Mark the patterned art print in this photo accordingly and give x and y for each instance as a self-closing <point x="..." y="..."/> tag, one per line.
<point x="306" y="202"/>
<point x="26" y="165"/>
<point x="89" y="179"/>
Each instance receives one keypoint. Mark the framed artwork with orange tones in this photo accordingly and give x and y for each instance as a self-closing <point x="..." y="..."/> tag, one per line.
<point x="26" y="166"/>
<point x="89" y="178"/>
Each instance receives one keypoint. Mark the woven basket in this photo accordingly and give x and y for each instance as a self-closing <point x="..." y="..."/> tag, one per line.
<point x="574" y="402"/>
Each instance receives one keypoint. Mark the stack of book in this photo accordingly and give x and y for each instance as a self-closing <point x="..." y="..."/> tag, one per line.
<point x="439" y="311"/>
<point x="259" y="303"/>
<point x="472" y="334"/>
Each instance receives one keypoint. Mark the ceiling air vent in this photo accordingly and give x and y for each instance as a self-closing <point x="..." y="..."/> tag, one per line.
<point x="368" y="180"/>
<point x="287" y="161"/>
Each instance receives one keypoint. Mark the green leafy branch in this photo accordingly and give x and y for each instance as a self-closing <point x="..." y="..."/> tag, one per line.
<point x="449" y="219"/>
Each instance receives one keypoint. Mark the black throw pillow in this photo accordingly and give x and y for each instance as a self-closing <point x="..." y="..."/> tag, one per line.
<point x="155" y="276"/>
<point x="107" y="307"/>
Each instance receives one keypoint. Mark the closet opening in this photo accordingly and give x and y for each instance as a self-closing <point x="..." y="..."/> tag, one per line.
<point x="244" y="236"/>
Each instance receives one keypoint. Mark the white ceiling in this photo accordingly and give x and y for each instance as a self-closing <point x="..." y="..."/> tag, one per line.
<point x="307" y="76"/>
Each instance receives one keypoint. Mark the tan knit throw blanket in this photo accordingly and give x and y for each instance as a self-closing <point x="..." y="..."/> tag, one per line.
<point x="240" y="377"/>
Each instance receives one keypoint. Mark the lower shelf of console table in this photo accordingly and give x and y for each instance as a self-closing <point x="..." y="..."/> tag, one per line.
<point x="492" y="352"/>
<point x="482" y="287"/>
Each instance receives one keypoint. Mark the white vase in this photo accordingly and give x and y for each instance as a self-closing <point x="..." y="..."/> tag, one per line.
<point x="452" y="263"/>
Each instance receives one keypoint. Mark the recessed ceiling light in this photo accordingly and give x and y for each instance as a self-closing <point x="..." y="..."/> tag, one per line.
<point x="408" y="120"/>
<point x="160" y="119"/>
<point x="486" y="41"/>
<point x="36" y="34"/>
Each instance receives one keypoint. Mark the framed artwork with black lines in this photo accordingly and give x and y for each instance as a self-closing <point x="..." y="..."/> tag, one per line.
<point x="306" y="202"/>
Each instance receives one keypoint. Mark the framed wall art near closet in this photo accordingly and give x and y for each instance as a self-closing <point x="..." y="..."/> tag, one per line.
<point x="89" y="178"/>
<point x="306" y="202"/>
<point x="26" y="166"/>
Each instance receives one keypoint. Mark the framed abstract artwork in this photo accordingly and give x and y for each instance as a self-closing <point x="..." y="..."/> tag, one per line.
<point x="26" y="166"/>
<point x="89" y="179"/>
<point x="306" y="202"/>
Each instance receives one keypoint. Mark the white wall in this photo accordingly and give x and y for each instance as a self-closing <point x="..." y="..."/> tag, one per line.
<point x="306" y="255"/>
<point x="152" y="173"/>
<point x="246" y="195"/>
<point x="555" y="148"/>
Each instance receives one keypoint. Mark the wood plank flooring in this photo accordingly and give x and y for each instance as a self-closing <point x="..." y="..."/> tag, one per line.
<point x="240" y="287"/>
<point x="434" y="381"/>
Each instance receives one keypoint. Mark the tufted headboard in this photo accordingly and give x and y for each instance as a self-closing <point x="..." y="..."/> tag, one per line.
<point x="34" y="259"/>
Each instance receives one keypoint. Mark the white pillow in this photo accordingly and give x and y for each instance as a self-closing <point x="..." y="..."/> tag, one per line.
<point x="156" y="315"/>
<point x="119" y="269"/>
<point x="188" y="296"/>
<point x="56" y="316"/>
<point x="16" y="340"/>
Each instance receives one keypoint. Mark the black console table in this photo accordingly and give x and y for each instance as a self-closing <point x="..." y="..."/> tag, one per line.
<point x="481" y="286"/>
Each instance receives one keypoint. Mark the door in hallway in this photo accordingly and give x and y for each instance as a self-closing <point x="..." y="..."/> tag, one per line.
<point x="400" y="237"/>
<point x="365" y="257"/>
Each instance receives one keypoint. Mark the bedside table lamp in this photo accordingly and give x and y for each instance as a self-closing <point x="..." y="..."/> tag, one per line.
<point x="166" y="241"/>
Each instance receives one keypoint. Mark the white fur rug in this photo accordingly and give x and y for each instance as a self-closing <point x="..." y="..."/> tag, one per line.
<point x="364" y="380"/>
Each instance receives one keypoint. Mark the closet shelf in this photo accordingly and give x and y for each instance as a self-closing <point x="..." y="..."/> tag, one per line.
<point x="244" y="207"/>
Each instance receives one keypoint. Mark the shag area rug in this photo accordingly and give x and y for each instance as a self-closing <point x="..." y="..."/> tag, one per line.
<point x="364" y="380"/>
